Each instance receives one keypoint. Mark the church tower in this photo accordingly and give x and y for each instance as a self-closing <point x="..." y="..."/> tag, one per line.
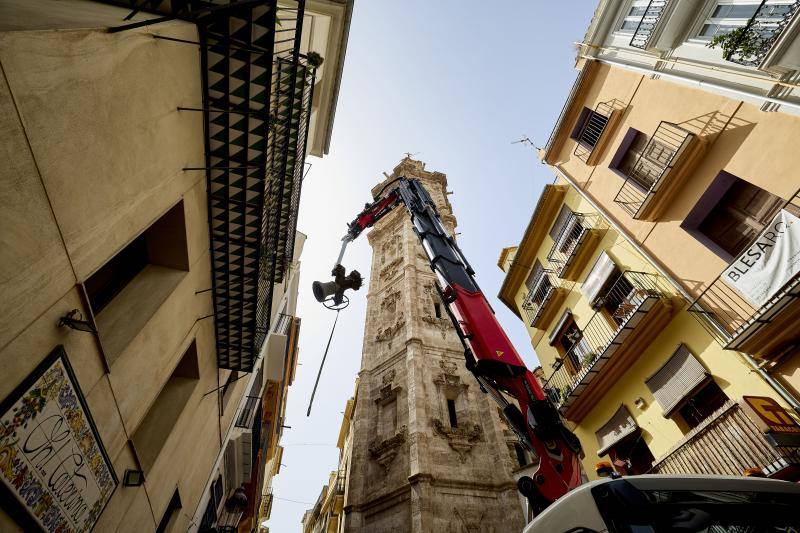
<point x="430" y="450"/>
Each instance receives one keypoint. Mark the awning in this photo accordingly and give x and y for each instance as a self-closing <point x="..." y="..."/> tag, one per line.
<point x="679" y="376"/>
<point x="617" y="428"/>
<point x="602" y="270"/>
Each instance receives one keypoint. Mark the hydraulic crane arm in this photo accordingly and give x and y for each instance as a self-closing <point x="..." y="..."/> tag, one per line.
<point x="488" y="351"/>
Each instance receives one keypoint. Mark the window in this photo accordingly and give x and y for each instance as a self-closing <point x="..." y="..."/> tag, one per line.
<point x="152" y="264"/>
<point x="633" y="15"/>
<point x="631" y="456"/>
<point x="437" y="308"/>
<point x="522" y="458"/>
<point x="727" y="15"/>
<point x="167" y="518"/>
<point x="730" y="214"/>
<point x="538" y="284"/>
<point x="451" y="412"/>
<point x="702" y="404"/>
<point x="570" y="344"/>
<point x="589" y="128"/>
<point x="162" y="417"/>
<point x="641" y="159"/>
<point x="214" y="499"/>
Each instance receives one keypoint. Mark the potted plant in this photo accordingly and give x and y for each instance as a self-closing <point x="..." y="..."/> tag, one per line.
<point x="745" y="42"/>
<point x="588" y="359"/>
<point x="314" y="59"/>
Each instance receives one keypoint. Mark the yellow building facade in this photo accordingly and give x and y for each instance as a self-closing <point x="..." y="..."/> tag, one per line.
<point x="644" y="347"/>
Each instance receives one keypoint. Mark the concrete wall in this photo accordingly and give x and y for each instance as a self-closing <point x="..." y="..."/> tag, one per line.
<point x="94" y="148"/>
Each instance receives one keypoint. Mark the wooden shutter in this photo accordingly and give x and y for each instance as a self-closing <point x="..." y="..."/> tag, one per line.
<point x="533" y="277"/>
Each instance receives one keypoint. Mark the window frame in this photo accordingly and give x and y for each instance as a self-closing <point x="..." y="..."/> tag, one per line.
<point x="709" y="8"/>
<point x="624" y="16"/>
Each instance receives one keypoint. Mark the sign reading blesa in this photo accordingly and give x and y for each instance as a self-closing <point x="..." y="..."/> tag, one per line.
<point x="51" y="458"/>
<point x="769" y="263"/>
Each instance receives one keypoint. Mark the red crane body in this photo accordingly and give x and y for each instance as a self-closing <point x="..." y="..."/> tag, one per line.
<point x="489" y="353"/>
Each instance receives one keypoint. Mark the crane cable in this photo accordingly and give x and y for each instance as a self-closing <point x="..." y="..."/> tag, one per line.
<point x="314" y="391"/>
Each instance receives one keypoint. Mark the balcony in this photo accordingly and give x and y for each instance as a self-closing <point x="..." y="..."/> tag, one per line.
<point x="658" y="171"/>
<point x="257" y="93"/>
<point x="574" y="244"/>
<point x="594" y="130"/>
<point x="248" y="412"/>
<point x="767" y="330"/>
<point x="630" y="315"/>
<point x="753" y="43"/>
<point x="543" y="300"/>
<point x="280" y="347"/>
<point x="726" y="443"/>
<point x="643" y="35"/>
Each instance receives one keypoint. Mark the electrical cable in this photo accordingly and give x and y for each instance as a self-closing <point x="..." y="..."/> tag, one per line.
<point x="314" y="391"/>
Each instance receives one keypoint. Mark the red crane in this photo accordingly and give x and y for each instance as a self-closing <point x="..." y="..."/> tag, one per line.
<point x="488" y="352"/>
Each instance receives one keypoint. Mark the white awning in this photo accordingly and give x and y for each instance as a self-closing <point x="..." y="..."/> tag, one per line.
<point x="674" y="381"/>
<point x="617" y="428"/>
<point x="602" y="270"/>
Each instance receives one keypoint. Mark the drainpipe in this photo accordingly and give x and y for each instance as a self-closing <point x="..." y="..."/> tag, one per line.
<point x="772" y="382"/>
<point x="707" y="85"/>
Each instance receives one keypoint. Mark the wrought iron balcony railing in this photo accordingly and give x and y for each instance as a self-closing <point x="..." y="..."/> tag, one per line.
<point x="726" y="443"/>
<point x="652" y="167"/>
<point x="282" y="324"/>
<point x="540" y="296"/>
<point x="644" y="31"/>
<point x="246" y="416"/>
<point x="752" y="43"/>
<point x="592" y="130"/>
<point x="632" y="294"/>
<point x="739" y="324"/>
<point x="570" y="241"/>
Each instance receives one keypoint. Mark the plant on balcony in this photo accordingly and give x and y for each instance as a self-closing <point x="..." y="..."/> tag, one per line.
<point x="745" y="41"/>
<point x="588" y="359"/>
<point x="314" y="59"/>
<point x="564" y="394"/>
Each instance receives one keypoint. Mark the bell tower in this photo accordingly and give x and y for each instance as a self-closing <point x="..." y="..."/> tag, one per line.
<point x="430" y="450"/>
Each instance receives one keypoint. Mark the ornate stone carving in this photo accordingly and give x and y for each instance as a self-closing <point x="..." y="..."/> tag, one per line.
<point x="442" y="324"/>
<point x="388" y="377"/>
<point x="459" y="439"/>
<point x="448" y="380"/>
<point x="387" y="394"/>
<point x="389" y="302"/>
<point x="470" y="518"/>
<point x="448" y="367"/>
<point x="388" y="333"/>
<point x="390" y="270"/>
<point x="385" y="451"/>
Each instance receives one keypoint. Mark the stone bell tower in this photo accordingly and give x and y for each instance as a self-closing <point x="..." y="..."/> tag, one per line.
<point x="430" y="451"/>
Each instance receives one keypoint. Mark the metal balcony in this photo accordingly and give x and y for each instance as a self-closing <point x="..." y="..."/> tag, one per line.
<point x="763" y="331"/>
<point x="248" y="412"/>
<point x="646" y="28"/>
<point x="755" y="40"/>
<point x="543" y="299"/>
<point x="574" y="244"/>
<point x="726" y="443"/>
<point x="631" y="314"/>
<point x="659" y="170"/>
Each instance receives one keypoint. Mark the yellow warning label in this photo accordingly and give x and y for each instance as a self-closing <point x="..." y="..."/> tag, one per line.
<point x="499" y="353"/>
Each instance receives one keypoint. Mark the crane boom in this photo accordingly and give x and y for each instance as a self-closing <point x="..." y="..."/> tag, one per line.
<point x="488" y="352"/>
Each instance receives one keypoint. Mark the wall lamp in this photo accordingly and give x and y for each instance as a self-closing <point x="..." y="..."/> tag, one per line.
<point x="132" y="478"/>
<point x="74" y="320"/>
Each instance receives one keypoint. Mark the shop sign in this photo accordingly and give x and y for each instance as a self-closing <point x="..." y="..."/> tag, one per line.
<point x="773" y="420"/>
<point x="54" y="470"/>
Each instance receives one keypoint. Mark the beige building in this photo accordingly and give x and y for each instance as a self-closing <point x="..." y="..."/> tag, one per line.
<point x="429" y="449"/>
<point x="151" y="185"/>
<point x="635" y="277"/>
<point x="742" y="49"/>
<point x="326" y="516"/>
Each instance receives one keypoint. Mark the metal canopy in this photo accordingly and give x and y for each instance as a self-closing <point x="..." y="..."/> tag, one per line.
<point x="257" y="93"/>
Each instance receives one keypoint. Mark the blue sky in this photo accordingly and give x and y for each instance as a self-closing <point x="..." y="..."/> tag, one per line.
<point x="457" y="82"/>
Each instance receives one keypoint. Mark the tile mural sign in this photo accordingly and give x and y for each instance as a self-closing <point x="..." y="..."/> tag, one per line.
<point x="52" y="462"/>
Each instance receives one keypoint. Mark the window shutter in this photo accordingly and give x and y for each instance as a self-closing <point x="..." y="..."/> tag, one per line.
<point x="617" y="428"/>
<point x="601" y="272"/>
<point x="561" y="220"/>
<point x="674" y="381"/>
<point x="533" y="277"/>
